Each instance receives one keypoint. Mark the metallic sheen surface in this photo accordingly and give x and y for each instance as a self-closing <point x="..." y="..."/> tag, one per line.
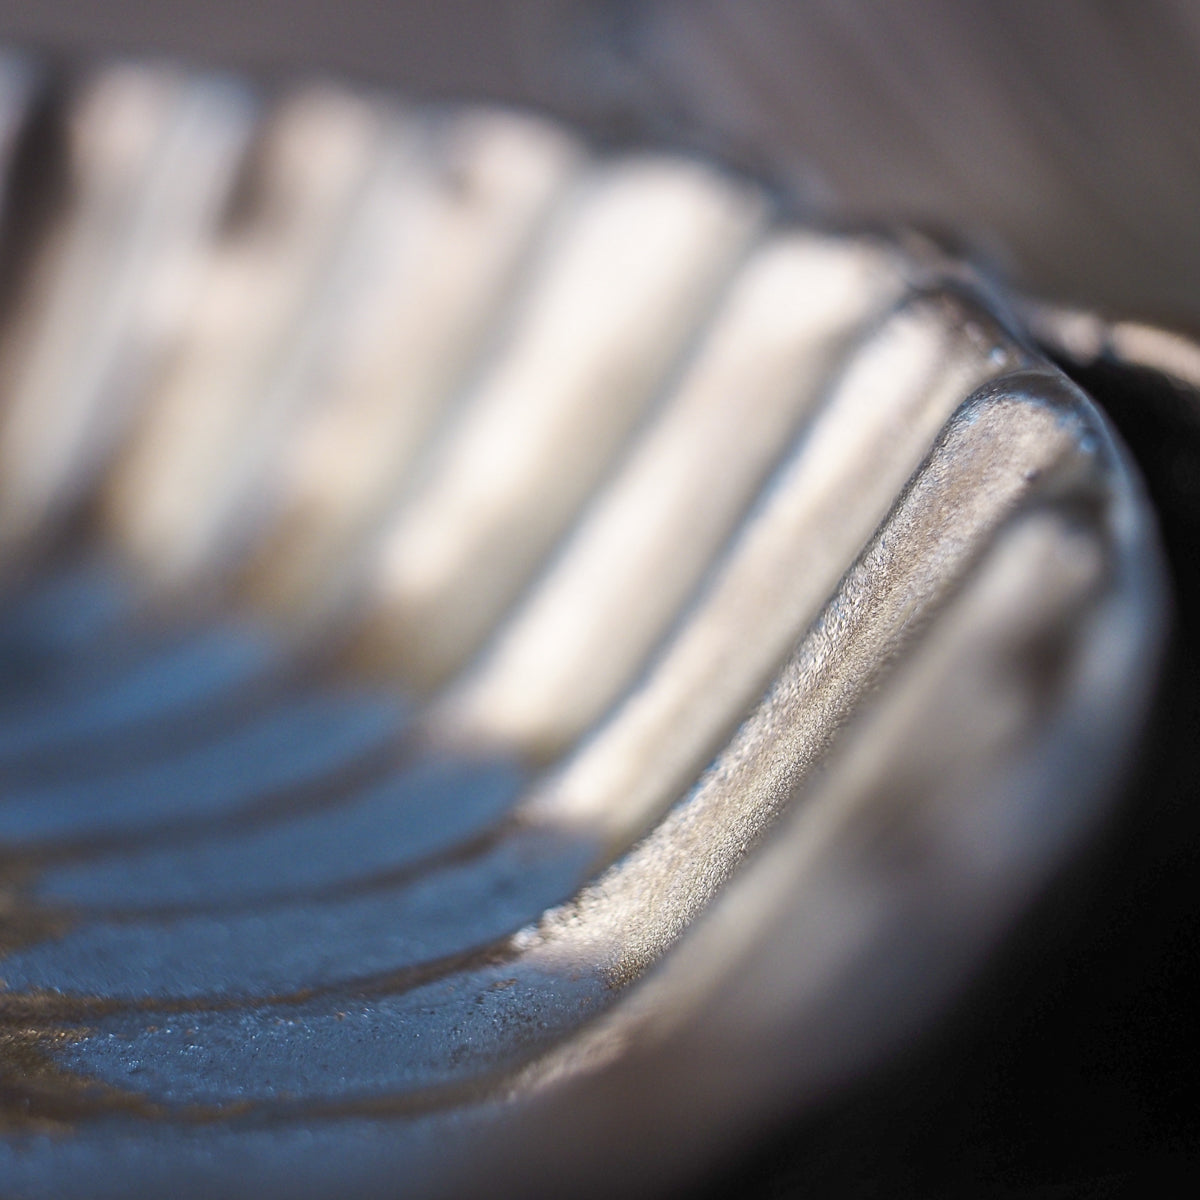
<point x="519" y="661"/>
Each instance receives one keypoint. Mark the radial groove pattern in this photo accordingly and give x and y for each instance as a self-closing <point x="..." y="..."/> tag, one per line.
<point x="503" y="644"/>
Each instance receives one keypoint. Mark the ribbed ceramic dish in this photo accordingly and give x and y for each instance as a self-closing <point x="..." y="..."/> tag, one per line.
<point x="520" y="663"/>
